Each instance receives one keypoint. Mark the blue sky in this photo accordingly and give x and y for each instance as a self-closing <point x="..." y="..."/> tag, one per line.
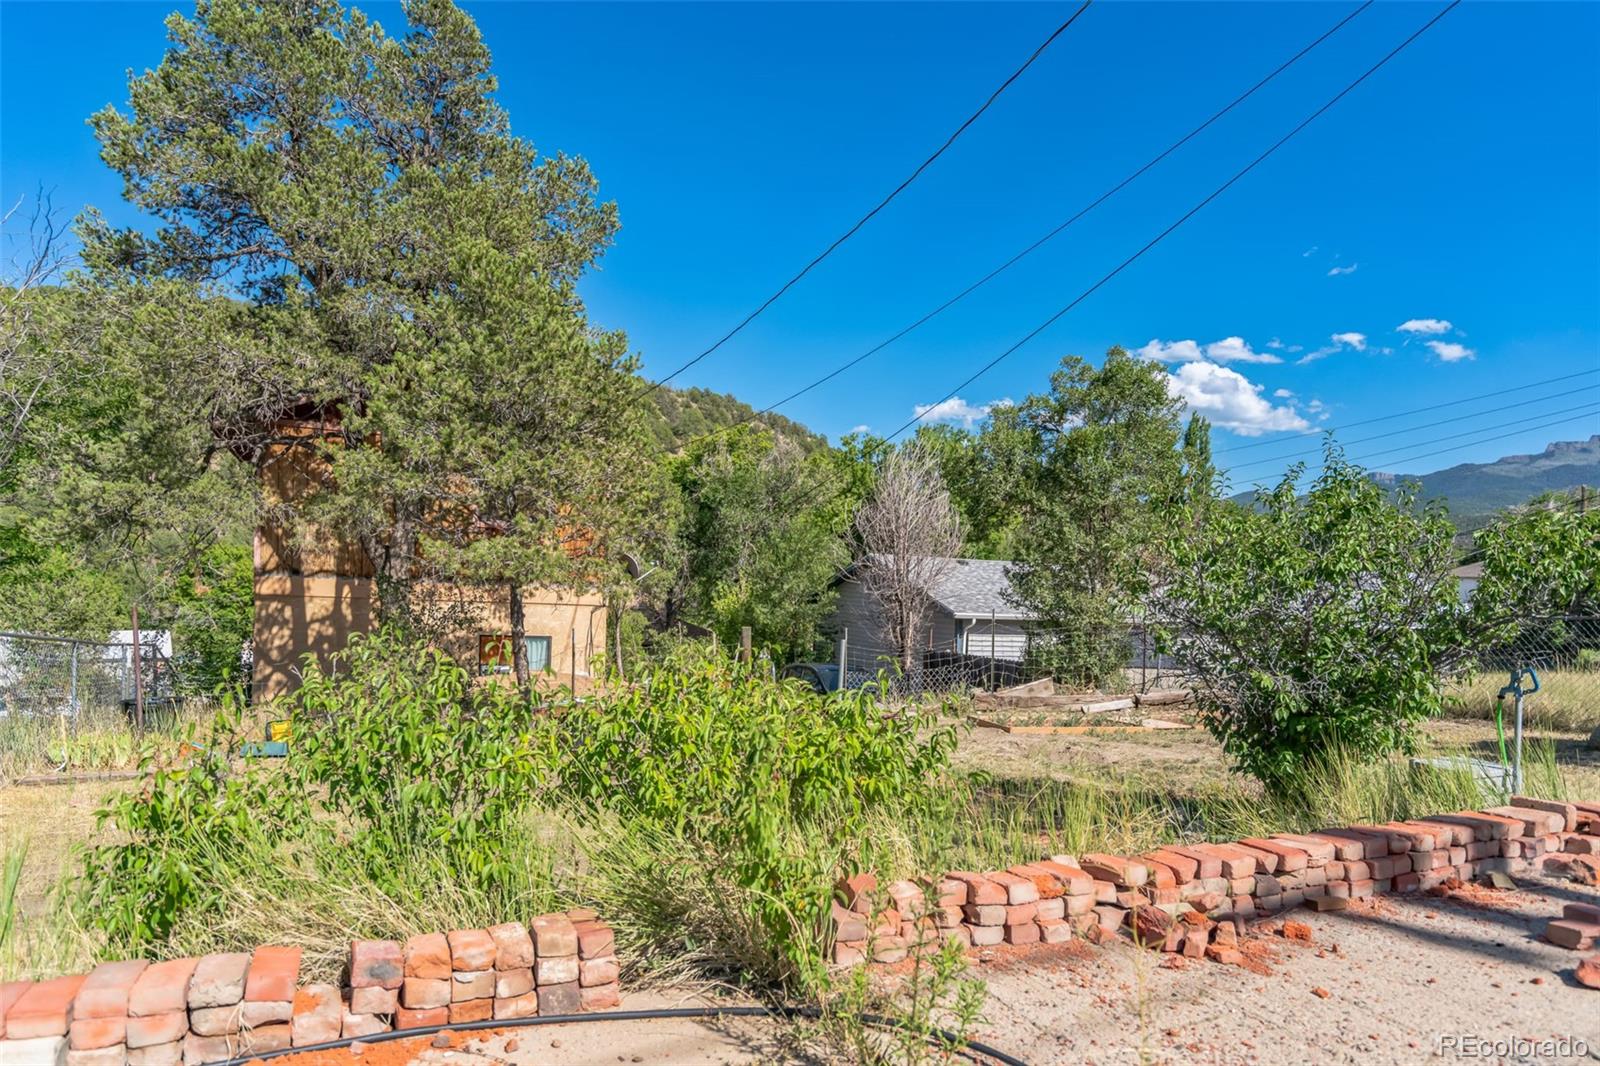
<point x="1455" y="191"/>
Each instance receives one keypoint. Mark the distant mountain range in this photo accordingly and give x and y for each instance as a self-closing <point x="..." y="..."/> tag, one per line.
<point x="1474" y="491"/>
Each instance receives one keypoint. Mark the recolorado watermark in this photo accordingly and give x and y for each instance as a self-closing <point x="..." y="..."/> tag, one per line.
<point x="1515" y="1048"/>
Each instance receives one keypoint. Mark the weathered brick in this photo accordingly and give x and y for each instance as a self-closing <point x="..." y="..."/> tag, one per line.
<point x="104" y="993"/>
<point x="513" y="946"/>
<point x="1022" y="933"/>
<point x="1054" y="931"/>
<point x="422" y="993"/>
<point x="595" y="940"/>
<point x="1018" y="889"/>
<point x="984" y="936"/>
<point x="274" y="1037"/>
<point x="471" y="950"/>
<point x="428" y="957"/>
<point x="601" y="997"/>
<point x="162" y="987"/>
<point x="170" y="1053"/>
<point x="1572" y="933"/>
<point x="1290" y="858"/>
<point x="353" y="1025"/>
<point x="43" y="1009"/>
<point x="199" y="1049"/>
<point x="560" y="999"/>
<point x="554" y="935"/>
<point x="1051" y="908"/>
<point x="377" y="964"/>
<point x="35" y="1051"/>
<point x="1074" y="882"/>
<point x="474" y="984"/>
<point x="215" y="1021"/>
<point x="371" y="1000"/>
<point x="1267" y="862"/>
<point x="556" y="970"/>
<point x="1535" y="822"/>
<point x="255" y="1014"/>
<point x="421" y="1018"/>
<point x="110" y="1055"/>
<point x="855" y="892"/>
<point x="157" y="1029"/>
<point x="317" y="1015"/>
<point x="509" y="984"/>
<point x="88" y="1034"/>
<point x="523" y="1005"/>
<point x="471" y="1010"/>
<point x="593" y="972"/>
<point x="1184" y="869"/>
<point x="274" y="972"/>
<point x="1120" y="871"/>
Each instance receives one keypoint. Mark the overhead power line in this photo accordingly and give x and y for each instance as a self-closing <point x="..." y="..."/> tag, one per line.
<point x="1403" y="414"/>
<point x="1416" y="428"/>
<point x="864" y="219"/>
<point x="1062" y="227"/>
<point x="1171" y="228"/>
<point x="1185" y="217"/>
<point x="1590" y="412"/>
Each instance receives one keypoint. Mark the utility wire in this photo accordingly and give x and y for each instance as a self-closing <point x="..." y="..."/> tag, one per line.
<point x="1051" y="235"/>
<point x="808" y="497"/>
<point x="1058" y="230"/>
<point x="1590" y="412"/>
<point x="1415" y="428"/>
<point x="1403" y="414"/>
<point x="770" y="300"/>
<point x="1158" y="238"/>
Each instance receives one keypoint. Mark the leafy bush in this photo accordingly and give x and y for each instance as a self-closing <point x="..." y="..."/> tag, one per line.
<point x="1318" y="620"/>
<point x="394" y="753"/>
<point x="770" y="778"/>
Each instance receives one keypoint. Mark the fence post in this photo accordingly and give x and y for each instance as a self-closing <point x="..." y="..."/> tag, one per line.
<point x="844" y="660"/>
<point x="991" y="651"/>
<point x="72" y="697"/>
<point x="138" y="675"/>
<point x="744" y="645"/>
<point x="573" y="672"/>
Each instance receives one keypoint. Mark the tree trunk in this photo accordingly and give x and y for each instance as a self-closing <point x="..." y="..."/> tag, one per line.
<point x="519" y="645"/>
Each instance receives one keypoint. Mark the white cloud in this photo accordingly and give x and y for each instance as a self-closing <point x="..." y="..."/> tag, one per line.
<point x="863" y="428"/>
<point x="1230" y="400"/>
<point x="1283" y="394"/>
<point x="1227" y="350"/>
<point x="1275" y="343"/>
<point x="1309" y="252"/>
<point x="1424" y="325"/>
<point x="1334" y="272"/>
<point x="1341" y="341"/>
<point x="1451" y="353"/>
<point x="956" y="410"/>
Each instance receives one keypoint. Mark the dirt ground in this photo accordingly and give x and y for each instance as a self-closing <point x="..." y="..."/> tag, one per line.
<point x="1399" y="980"/>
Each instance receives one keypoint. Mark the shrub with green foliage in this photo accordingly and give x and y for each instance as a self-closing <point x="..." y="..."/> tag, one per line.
<point x="757" y="774"/>
<point x="1317" y="621"/>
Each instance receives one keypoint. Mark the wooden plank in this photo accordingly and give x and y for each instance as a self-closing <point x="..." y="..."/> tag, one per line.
<point x="1042" y="687"/>
<point x="1160" y="696"/>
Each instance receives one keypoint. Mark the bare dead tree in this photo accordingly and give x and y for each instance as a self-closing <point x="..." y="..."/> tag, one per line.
<point x="911" y="533"/>
<point x="27" y="364"/>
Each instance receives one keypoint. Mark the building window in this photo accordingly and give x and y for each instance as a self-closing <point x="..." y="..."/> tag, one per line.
<point x="495" y="651"/>
<point x="538" y="653"/>
<point x="494" y="654"/>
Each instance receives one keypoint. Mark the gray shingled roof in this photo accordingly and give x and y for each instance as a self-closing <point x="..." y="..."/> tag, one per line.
<point x="977" y="588"/>
<point x="971" y="588"/>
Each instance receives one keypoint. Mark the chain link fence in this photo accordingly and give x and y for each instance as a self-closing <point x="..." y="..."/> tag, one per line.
<point x="1564" y="650"/>
<point x="62" y="677"/>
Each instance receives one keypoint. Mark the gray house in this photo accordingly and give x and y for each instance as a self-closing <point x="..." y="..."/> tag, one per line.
<point x="972" y="613"/>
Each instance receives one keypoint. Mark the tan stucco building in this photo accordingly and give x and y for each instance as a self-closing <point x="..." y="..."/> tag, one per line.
<point x="313" y="592"/>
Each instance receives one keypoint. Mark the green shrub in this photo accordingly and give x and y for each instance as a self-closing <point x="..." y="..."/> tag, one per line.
<point x="774" y="782"/>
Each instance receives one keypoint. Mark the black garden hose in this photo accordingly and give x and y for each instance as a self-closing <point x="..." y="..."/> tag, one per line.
<point x="612" y="1016"/>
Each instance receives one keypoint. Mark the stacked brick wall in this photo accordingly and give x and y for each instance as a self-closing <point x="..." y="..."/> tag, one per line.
<point x="193" y="1011"/>
<point x="1184" y="898"/>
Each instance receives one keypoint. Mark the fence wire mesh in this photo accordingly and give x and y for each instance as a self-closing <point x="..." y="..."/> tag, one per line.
<point x="46" y="676"/>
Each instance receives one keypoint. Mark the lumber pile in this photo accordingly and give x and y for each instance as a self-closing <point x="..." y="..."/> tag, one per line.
<point x="1194" y="898"/>
<point x="211" y="1009"/>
